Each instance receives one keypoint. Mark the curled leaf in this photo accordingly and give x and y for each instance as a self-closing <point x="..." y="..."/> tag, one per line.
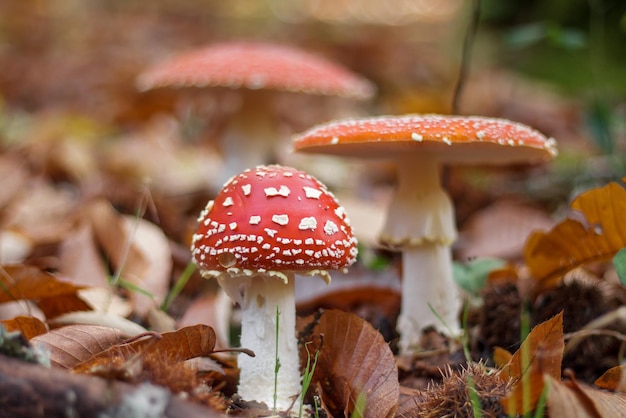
<point x="356" y="371"/>
<point x="595" y="232"/>
<point x="613" y="379"/>
<point x="570" y="399"/>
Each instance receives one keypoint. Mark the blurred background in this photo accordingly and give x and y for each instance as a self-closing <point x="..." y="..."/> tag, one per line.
<point x="69" y="104"/>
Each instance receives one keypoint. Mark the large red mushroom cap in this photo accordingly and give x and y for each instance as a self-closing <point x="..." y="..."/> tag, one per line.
<point x="256" y="65"/>
<point x="470" y="139"/>
<point x="273" y="219"/>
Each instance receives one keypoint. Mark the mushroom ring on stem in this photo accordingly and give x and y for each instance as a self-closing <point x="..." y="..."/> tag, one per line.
<point x="263" y="227"/>
<point x="420" y="219"/>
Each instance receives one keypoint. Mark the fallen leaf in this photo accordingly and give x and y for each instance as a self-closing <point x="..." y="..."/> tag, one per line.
<point x="58" y="305"/>
<point x="28" y="282"/>
<point x="355" y="369"/>
<point x="80" y="259"/>
<point x="29" y="326"/>
<point x="138" y="250"/>
<point x="42" y="212"/>
<point x="127" y="327"/>
<point x="171" y="347"/>
<point x="540" y="354"/>
<point x="501" y="357"/>
<point x="595" y="232"/>
<point x="73" y="344"/>
<point x="500" y="230"/>
<point x="152" y="243"/>
<point x="613" y="379"/>
<point x="571" y="399"/>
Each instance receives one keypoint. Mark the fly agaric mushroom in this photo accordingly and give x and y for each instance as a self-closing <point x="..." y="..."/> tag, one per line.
<point x="254" y="69"/>
<point x="264" y="226"/>
<point x="420" y="220"/>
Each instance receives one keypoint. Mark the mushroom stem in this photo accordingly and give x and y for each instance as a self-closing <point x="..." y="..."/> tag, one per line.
<point x="261" y="297"/>
<point x="421" y="222"/>
<point x="430" y="297"/>
<point x="250" y="135"/>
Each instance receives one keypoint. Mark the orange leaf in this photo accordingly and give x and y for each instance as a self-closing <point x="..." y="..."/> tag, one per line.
<point x="27" y="282"/>
<point x="501" y="357"/>
<point x="29" y="326"/>
<point x="613" y="379"/>
<point x="170" y="347"/>
<point x="572" y="243"/>
<point x="72" y="344"/>
<point x="354" y="362"/>
<point x="540" y="354"/>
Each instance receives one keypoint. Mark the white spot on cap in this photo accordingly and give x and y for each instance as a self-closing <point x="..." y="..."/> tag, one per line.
<point x="417" y="137"/>
<point x="282" y="191"/>
<point x="308" y="223"/>
<point x="246" y="188"/>
<point x="232" y="226"/>
<point x="446" y="140"/>
<point x="312" y="193"/>
<point x="255" y="220"/>
<point x="335" y="140"/>
<point x="270" y="232"/>
<point x="280" y="219"/>
<point x="330" y="228"/>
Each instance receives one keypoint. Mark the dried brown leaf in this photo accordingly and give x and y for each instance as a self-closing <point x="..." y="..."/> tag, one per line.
<point x="80" y="259"/>
<point x="170" y="347"/>
<point x="70" y="345"/>
<point x="42" y="212"/>
<point x="500" y="230"/>
<point x="138" y="249"/>
<point x="540" y="354"/>
<point x="596" y="233"/>
<point x="58" y="305"/>
<point x="28" y="282"/>
<point x="613" y="379"/>
<point x="570" y="399"/>
<point x="501" y="357"/>
<point x="354" y="362"/>
<point x="29" y="326"/>
<point x="13" y="178"/>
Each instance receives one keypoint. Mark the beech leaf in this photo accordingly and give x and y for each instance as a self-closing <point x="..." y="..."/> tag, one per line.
<point x="73" y="344"/>
<point x="29" y="326"/>
<point x="355" y="365"/>
<point x="613" y="379"/>
<point x="540" y="354"/>
<point x="28" y="282"/>
<point x="570" y="399"/>
<point x="595" y="232"/>
<point x="169" y="347"/>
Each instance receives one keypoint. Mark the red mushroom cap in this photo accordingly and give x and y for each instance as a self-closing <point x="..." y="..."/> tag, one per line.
<point x="273" y="218"/>
<point x="256" y="65"/>
<point x="472" y="139"/>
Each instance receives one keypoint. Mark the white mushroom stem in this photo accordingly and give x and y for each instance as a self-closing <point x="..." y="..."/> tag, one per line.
<point x="250" y="135"/>
<point x="421" y="222"/>
<point x="259" y="296"/>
